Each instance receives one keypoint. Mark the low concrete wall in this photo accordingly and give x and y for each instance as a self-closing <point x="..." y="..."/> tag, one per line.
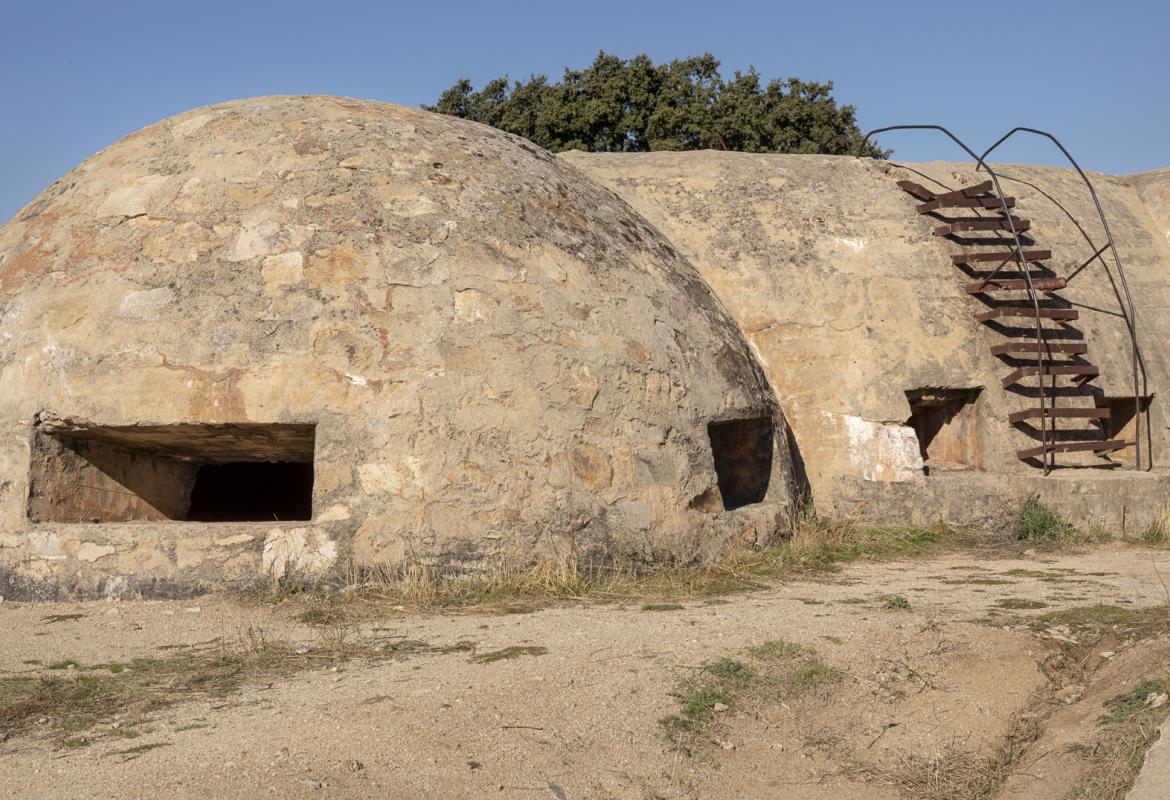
<point x="1122" y="503"/>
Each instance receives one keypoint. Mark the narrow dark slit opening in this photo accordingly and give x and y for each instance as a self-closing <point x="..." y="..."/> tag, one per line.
<point x="742" y="450"/>
<point x="252" y="491"/>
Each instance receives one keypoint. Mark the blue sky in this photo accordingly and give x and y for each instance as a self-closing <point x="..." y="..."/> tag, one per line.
<point x="77" y="76"/>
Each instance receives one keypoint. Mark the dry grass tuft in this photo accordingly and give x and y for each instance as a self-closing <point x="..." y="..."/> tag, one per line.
<point x="958" y="774"/>
<point x="1157" y="532"/>
<point x="68" y="697"/>
<point x="512" y="585"/>
<point x="1113" y="763"/>
<point x="771" y="672"/>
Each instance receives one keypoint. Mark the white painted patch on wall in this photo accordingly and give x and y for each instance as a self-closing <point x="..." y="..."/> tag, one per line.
<point x="883" y="451"/>
<point x="298" y="551"/>
<point x="46" y="545"/>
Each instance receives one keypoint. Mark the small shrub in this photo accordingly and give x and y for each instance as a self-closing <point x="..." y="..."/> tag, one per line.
<point x="897" y="602"/>
<point x="1036" y="522"/>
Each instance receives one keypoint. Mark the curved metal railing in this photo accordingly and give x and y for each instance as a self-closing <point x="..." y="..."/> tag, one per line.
<point x="1043" y="350"/>
<point x="1131" y="318"/>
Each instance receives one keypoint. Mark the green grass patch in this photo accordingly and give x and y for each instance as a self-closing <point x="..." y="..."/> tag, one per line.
<point x="1105" y="615"/>
<point x="458" y="647"/>
<point x="977" y="581"/>
<point x="772" y="671"/>
<point x="663" y="607"/>
<point x="1019" y="603"/>
<point x="819" y="544"/>
<point x="1112" y="761"/>
<point x="74" y="697"/>
<point x="1036" y="522"/>
<point x="775" y="648"/>
<point x="897" y="602"/>
<point x="134" y="752"/>
<point x="68" y="663"/>
<point x="1125" y="705"/>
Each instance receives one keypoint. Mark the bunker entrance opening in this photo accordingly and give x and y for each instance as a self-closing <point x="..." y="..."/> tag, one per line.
<point x="1122" y="423"/>
<point x="946" y="422"/>
<point x="82" y="472"/>
<point x="742" y="450"/>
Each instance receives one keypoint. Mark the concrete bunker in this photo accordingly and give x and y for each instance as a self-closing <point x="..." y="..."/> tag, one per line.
<point x="501" y="360"/>
<point x="83" y="472"/>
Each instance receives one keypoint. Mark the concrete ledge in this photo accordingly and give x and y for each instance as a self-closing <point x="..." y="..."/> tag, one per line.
<point x="1123" y="502"/>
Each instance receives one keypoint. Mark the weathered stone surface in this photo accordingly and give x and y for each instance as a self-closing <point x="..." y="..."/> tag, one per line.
<point x="491" y="347"/>
<point x="849" y="302"/>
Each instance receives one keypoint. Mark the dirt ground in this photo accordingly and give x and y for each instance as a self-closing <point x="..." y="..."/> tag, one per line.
<point x="943" y="670"/>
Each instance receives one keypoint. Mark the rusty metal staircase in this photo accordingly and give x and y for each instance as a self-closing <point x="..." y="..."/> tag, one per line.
<point x="1024" y="292"/>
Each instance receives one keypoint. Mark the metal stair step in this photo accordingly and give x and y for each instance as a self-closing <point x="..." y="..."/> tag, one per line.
<point x="1011" y="255"/>
<point x="1055" y="314"/>
<point x="922" y="193"/>
<point x="1063" y="348"/>
<point x="1077" y="371"/>
<point x="1072" y="447"/>
<point x="1059" y="411"/>
<point x="992" y="203"/>
<point x="989" y="224"/>
<point x="1015" y="285"/>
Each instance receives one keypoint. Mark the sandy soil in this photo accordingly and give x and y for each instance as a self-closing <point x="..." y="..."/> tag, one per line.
<point x="953" y="674"/>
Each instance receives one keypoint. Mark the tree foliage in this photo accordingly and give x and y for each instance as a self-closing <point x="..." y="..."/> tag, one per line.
<point x="618" y="105"/>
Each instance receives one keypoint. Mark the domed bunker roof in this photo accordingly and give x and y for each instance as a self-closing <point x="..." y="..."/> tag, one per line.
<point x="383" y="333"/>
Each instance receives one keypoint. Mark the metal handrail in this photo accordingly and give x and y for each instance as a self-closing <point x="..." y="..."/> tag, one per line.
<point x="1042" y="348"/>
<point x="1131" y="319"/>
